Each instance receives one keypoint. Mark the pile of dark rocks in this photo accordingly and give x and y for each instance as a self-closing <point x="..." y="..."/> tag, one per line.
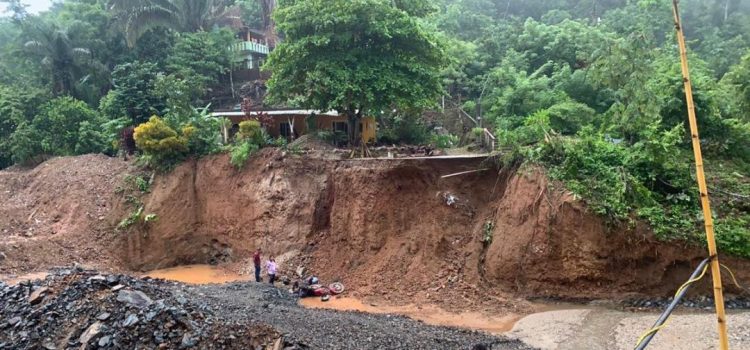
<point x="75" y="308"/>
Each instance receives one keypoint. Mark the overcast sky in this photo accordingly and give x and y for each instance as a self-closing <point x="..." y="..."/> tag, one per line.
<point x="35" y="6"/>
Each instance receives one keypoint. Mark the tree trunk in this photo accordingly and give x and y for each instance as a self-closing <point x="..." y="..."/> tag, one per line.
<point x="352" y="126"/>
<point x="726" y="10"/>
<point x="267" y="7"/>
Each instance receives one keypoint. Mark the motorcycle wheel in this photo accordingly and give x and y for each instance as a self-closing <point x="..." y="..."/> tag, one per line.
<point x="336" y="288"/>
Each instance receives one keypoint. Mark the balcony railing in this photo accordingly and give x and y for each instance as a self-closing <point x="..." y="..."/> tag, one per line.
<point x="251" y="47"/>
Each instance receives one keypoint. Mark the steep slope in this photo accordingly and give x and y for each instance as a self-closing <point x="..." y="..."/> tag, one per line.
<point x="395" y="229"/>
<point x="60" y="212"/>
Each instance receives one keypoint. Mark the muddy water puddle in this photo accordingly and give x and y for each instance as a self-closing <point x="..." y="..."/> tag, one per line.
<point x="197" y="274"/>
<point x="428" y="314"/>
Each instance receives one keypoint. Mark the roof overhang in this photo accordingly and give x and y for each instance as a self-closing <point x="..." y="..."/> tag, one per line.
<point x="274" y="113"/>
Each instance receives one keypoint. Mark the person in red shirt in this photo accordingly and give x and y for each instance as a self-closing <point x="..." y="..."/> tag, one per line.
<point x="256" y="262"/>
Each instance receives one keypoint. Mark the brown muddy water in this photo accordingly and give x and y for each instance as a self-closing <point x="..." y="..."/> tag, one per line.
<point x="197" y="274"/>
<point x="428" y="314"/>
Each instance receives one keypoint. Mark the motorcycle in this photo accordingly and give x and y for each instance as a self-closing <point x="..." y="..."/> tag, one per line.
<point x="318" y="290"/>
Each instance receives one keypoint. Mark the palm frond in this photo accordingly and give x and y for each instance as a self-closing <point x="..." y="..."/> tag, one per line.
<point x="81" y="55"/>
<point x="146" y="19"/>
<point x="35" y="46"/>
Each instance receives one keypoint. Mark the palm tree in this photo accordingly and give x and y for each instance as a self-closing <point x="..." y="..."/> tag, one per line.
<point x="64" y="62"/>
<point x="139" y="16"/>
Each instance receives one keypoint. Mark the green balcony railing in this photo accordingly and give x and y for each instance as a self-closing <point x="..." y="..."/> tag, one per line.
<point x="251" y="47"/>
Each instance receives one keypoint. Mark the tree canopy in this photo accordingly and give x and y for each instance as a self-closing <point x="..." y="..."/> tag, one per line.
<point x="359" y="57"/>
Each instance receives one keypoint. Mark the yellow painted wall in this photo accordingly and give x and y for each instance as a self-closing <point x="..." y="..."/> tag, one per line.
<point x="369" y="129"/>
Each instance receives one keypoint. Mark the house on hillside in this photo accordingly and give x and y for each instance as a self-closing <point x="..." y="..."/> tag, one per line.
<point x="251" y="52"/>
<point x="293" y="123"/>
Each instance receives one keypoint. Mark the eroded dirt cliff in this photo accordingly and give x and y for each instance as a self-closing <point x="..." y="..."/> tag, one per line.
<point x="392" y="228"/>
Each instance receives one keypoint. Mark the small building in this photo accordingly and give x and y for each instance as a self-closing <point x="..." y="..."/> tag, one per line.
<point x="253" y="48"/>
<point x="293" y="123"/>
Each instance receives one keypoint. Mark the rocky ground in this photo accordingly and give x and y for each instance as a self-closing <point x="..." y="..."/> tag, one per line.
<point x="603" y="328"/>
<point x="73" y="308"/>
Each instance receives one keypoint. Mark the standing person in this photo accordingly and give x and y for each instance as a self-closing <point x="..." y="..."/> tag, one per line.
<point x="256" y="262"/>
<point x="271" y="267"/>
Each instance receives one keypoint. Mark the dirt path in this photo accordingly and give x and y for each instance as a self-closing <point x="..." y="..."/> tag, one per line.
<point x="609" y="329"/>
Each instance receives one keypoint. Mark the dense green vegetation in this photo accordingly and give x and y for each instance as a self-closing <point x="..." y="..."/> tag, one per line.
<point x="590" y="90"/>
<point x="357" y="57"/>
<point x="593" y="92"/>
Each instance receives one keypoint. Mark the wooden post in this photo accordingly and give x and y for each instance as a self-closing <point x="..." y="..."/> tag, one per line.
<point x="703" y="188"/>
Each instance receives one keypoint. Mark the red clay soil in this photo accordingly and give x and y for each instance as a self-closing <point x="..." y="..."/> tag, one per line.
<point x="384" y="228"/>
<point x="60" y="212"/>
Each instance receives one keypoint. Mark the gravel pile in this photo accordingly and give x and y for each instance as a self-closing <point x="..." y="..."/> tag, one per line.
<point x="77" y="309"/>
<point x="82" y="309"/>
<point x="324" y="329"/>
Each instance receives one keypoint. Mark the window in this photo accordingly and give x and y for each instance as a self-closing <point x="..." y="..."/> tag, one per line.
<point x="341" y="126"/>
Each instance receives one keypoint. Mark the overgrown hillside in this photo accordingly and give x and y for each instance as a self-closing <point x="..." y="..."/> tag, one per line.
<point x="593" y="92"/>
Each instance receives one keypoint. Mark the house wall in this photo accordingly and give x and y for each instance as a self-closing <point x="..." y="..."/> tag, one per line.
<point x="324" y="122"/>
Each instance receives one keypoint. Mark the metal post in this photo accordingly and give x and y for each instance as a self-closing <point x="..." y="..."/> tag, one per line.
<point x="708" y="219"/>
<point x="665" y="315"/>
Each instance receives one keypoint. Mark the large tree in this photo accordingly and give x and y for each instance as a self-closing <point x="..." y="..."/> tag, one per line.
<point x="64" y="63"/>
<point x="139" y="16"/>
<point x="359" y="57"/>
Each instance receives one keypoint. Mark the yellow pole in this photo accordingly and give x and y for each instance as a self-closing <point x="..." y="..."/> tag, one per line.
<point x="708" y="219"/>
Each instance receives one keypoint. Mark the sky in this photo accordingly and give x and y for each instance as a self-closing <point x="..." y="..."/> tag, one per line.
<point x="35" y="6"/>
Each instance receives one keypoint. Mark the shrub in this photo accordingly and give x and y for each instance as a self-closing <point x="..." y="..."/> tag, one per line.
<point x="477" y="132"/>
<point x="24" y="144"/>
<point x="250" y="130"/>
<point x="400" y="129"/>
<point x="134" y="92"/>
<point x="161" y="145"/>
<point x="445" y="141"/>
<point x="113" y="134"/>
<point x="241" y="152"/>
<point x="90" y="139"/>
<point x="63" y="127"/>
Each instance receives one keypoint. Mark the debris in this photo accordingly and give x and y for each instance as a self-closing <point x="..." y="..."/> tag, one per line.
<point x="37" y="296"/>
<point x="116" y="322"/>
<point x="90" y="332"/>
<point x="135" y="298"/>
<point x="464" y="173"/>
<point x="14" y="321"/>
<point x="187" y="341"/>
<point x="131" y="320"/>
<point x="104" y="341"/>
